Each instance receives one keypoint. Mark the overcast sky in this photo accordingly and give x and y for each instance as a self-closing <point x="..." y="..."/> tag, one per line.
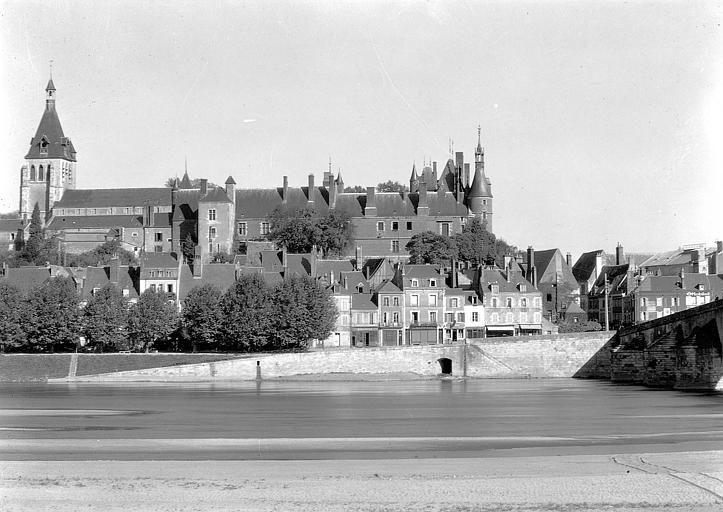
<point x="601" y="121"/>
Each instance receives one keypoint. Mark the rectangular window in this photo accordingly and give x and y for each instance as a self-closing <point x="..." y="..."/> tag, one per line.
<point x="444" y="228"/>
<point x="212" y="214"/>
<point x="415" y="282"/>
<point x="453" y="303"/>
<point x="433" y="316"/>
<point x="385" y="301"/>
<point x="395" y="225"/>
<point x="395" y="246"/>
<point x="475" y="316"/>
<point x="242" y="228"/>
<point x="549" y="297"/>
<point x="414" y="300"/>
<point x="395" y="301"/>
<point x="460" y="317"/>
<point x="433" y="283"/>
<point x="432" y="300"/>
<point x="395" y="316"/>
<point x="264" y="228"/>
<point x="211" y="232"/>
<point x="380" y="226"/>
<point x="409" y="226"/>
<point x="126" y="292"/>
<point x="91" y="211"/>
<point x="153" y="287"/>
<point x="169" y="288"/>
<point x="449" y="317"/>
<point x="385" y="317"/>
<point x="159" y="237"/>
<point x="415" y="317"/>
<point x="659" y="301"/>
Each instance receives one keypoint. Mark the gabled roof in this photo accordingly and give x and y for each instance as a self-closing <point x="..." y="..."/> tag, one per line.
<point x="388" y="287"/>
<point x="105" y="197"/>
<point x="215" y="195"/>
<point x="98" y="277"/>
<point x="298" y="265"/>
<point x="220" y="275"/>
<point x="324" y="267"/>
<point x="663" y="284"/>
<point x="417" y="271"/>
<point x="489" y="276"/>
<point x="616" y="276"/>
<point x="158" y="260"/>
<point x="185" y="182"/>
<point x="573" y="308"/>
<point x="672" y="258"/>
<point x="350" y="280"/>
<point x="26" y="278"/>
<point x="95" y="222"/>
<point x="362" y="301"/>
<point x="585" y="265"/>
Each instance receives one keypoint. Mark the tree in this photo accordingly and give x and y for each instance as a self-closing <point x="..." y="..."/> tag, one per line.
<point x="151" y="319"/>
<point x="300" y="230"/>
<point x="392" y="186"/>
<point x="428" y="247"/>
<point x="188" y="248"/>
<point x="105" y="320"/>
<point x="101" y="255"/>
<point x="356" y="189"/>
<point x="475" y="244"/>
<point x="201" y="316"/>
<point x="195" y="183"/>
<point x="53" y="314"/>
<point x="302" y="311"/>
<point x="33" y="246"/>
<point x="247" y="315"/>
<point x="12" y="317"/>
<point x="222" y="257"/>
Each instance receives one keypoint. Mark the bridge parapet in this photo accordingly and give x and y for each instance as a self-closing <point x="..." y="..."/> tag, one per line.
<point x="682" y="350"/>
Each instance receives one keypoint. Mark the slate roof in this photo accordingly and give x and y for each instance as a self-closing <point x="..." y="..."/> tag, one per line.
<point x="220" y="275"/>
<point x="298" y="265"/>
<point x="12" y="225"/>
<point x="158" y="260"/>
<point x="350" y="280"/>
<point x="672" y="258"/>
<point x="362" y="301"/>
<point x="215" y="195"/>
<point x="95" y="222"/>
<point x="106" y="197"/>
<point x="26" y="278"/>
<point x="260" y="203"/>
<point x="59" y="146"/>
<point x="666" y="284"/>
<point x="573" y="308"/>
<point x="617" y="279"/>
<point x="388" y="287"/>
<point x="480" y="187"/>
<point x="585" y="265"/>
<point x="488" y="276"/>
<point x="324" y="267"/>
<point x="98" y="277"/>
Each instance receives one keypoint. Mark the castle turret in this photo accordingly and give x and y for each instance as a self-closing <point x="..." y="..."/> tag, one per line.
<point x="414" y="180"/>
<point x="479" y="197"/>
<point x="49" y="168"/>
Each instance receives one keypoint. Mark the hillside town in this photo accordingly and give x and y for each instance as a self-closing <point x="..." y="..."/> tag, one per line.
<point x="402" y="265"/>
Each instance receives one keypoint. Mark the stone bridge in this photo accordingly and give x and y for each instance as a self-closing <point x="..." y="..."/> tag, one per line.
<point x="682" y="350"/>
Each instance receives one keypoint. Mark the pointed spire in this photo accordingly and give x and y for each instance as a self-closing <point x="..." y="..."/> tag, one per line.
<point x="414" y="177"/>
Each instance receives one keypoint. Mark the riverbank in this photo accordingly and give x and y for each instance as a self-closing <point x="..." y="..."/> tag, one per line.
<point x="685" y="481"/>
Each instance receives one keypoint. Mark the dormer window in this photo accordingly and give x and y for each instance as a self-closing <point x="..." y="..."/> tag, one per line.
<point x="495" y="288"/>
<point x="522" y="287"/>
<point x="44" y="146"/>
<point x="701" y="287"/>
<point x="433" y="283"/>
<point x="415" y="282"/>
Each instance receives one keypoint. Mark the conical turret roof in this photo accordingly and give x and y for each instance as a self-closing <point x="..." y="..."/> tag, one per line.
<point x="480" y="187"/>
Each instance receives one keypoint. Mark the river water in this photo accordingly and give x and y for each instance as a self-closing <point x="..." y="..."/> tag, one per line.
<point x="458" y="418"/>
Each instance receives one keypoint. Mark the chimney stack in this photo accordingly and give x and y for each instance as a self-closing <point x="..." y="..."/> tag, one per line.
<point x="619" y="255"/>
<point x="358" y="258"/>
<point x="371" y="207"/>
<point x="311" y="191"/>
<point x="466" y="176"/>
<point x="531" y="270"/>
<point x="231" y="189"/>
<point x="568" y="259"/>
<point x="285" y="190"/>
<point x="423" y="205"/>
<point x="332" y="193"/>
<point x="204" y="186"/>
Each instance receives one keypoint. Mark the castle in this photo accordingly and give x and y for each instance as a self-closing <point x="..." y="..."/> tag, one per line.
<point x="160" y="219"/>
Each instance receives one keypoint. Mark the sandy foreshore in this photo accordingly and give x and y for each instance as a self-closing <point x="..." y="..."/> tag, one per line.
<point x="686" y="481"/>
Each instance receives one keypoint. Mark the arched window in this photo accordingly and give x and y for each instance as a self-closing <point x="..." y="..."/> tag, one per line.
<point x="41" y="173"/>
<point x="32" y="173"/>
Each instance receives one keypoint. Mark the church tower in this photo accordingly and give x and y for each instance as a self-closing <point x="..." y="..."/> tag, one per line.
<point x="49" y="167"/>
<point x="479" y="197"/>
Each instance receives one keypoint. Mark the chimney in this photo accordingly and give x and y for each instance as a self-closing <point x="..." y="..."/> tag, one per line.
<point x="466" y="175"/>
<point x="144" y="220"/>
<point x="331" y="277"/>
<point x="311" y="191"/>
<point x="455" y="277"/>
<point x="358" y="257"/>
<point x="114" y="270"/>
<point x="434" y="168"/>
<point x="204" y="186"/>
<point x="619" y="255"/>
<point x="682" y="279"/>
<point x="507" y="259"/>
<point x="568" y="259"/>
<point x="151" y="217"/>
<point x="285" y="190"/>
<point x="531" y="270"/>
<point x="423" y="205"/>
<point x="598" y="264"/>
<point x="231" y="189"/>
<point x="371" y="207"/>
<point x="332" y="193"/>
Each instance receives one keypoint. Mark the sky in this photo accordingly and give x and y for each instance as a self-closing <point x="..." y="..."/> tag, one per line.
<point x="601" y="121"/>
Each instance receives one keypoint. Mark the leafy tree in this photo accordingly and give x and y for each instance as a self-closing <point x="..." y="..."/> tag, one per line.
<point x="356" y="189"/>
<point x="303" y="311"/>
<point x="300" y="230"/>
<point x="222" y="257"/>
<point x="101" y="255"/>
<point x="151" y="319"/>
<point x="12" y="317"/>
<point x="201" y="316"/>
<point x="105" y="320"/>
<point x="247" y="314"/>
<point x="584" y="326"/>
<point x="475" y="244"/>
<point x="392" y="186"/>
<point x="428" y="247"/>
<point x="53" y="314"/>
<point x="195" y="183"/>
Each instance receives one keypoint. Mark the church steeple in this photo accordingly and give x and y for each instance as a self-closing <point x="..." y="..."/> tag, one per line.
<point x="50" y="94"/>
<point x="414" y="179"/>
<point x="479" y="196"/>
<point x="479" y="153"/>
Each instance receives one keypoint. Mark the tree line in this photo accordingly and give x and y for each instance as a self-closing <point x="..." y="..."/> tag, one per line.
<point x="250" y="316"/>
